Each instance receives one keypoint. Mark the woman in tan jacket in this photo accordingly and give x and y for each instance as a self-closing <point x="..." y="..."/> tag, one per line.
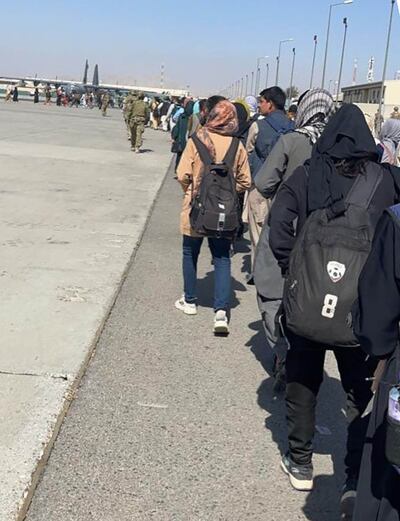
<point x="221" y="124"/>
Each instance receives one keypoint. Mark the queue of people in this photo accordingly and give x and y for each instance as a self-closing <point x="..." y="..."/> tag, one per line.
<point x="321" y="203"/>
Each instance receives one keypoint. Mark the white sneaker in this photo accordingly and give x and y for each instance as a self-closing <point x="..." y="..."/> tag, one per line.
<point x="186" y="307"/>
<point x="221" y="322"/>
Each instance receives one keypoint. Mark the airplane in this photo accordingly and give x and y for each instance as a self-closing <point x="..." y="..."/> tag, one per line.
<point x="83" y="86"/>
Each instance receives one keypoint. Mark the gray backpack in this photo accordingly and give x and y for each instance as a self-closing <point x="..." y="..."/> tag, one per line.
<point x="325" y="265"/>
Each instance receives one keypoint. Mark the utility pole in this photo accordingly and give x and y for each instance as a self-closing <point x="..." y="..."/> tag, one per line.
<point x="313" y="62"/>
<point x="342" y="59"/>
<point x="385" y="66"/>
<point x="291" y="75"/>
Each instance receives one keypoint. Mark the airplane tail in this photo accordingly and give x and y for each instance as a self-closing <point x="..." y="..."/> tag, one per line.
<point x="84" y="81"/>
<point x="96" y="76"/>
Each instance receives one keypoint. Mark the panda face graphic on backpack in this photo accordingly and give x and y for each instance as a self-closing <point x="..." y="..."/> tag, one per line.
<point x="336" y="271"/>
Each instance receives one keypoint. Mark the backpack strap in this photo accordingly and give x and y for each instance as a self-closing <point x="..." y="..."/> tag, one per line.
<point x="364" y="188"/>
<point x="203" y="151"/>
<point x="230" y="155"/>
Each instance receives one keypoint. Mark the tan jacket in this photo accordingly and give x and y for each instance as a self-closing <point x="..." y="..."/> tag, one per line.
<point x="189" y="173"/>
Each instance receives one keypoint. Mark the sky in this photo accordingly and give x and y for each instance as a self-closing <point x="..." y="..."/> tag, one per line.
<point x="205" y="44"/>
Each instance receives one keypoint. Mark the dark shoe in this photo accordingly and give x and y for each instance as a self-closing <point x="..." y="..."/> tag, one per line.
<point x="300" y="476"/>
<point x="348" y="499"/>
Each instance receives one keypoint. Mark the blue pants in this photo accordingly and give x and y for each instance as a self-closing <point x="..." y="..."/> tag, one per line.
<point x="220" y="250"/>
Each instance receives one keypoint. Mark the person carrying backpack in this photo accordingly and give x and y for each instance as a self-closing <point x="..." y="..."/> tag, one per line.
<point x="263" y="134"/>
<point x="213" y="168"/>
<point x="376" y="317"/>
<point x="291" y="151"/>
<point x="321" y="227"/>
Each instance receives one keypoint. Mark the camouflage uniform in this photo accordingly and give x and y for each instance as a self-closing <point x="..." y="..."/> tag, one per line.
<point x="138" y="118"/>
<point x="129" y="100"/>
<point x="104" y="103"/>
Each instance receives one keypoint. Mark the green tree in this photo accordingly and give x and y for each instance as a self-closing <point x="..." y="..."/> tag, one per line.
<point x="292" y="94"/>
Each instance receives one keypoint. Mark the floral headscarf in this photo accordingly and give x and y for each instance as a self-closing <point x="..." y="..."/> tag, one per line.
<point x="222" y="120"/>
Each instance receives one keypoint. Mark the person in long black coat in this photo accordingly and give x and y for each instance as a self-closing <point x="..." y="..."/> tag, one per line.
<point x="376" y="322"/>
<point x="15" y="94"/>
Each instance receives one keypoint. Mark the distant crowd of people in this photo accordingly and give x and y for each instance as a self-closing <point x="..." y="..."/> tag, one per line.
<point x="318" y="192"/>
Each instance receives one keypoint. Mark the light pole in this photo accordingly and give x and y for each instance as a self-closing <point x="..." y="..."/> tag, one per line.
<point x="385" y="66"/>
<point x="291" y="75"/>
<point x="267" y="76"/>
<point x="247" y="85"/>
<point x="278" y="58"/>
<point x="330" y="83"/>
<point x="313" y="61"/>
<point x="341" y="61"/>
<point x="241" y="87"/>
<point x="258" y="73"/>
<point x="345" y="2"/>
<point x="252" y="82"/>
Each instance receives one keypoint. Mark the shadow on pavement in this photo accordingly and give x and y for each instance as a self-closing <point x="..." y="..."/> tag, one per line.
<point x="205" y="291"/>
<point x="322" y="504"/>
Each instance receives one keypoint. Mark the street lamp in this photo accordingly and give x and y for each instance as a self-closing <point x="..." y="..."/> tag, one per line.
<point x="313" y="62"/>
<point x="252" y="82"/>
<point x="247" y="85"/>
<point x="385" y="67"/>
<point x="341" y="61"/>
<point x="291" y="76"/>
<point x="267" y="76"/>
<point x="278" y="58"/>
<point x="258" y="73"/>
<point x="345" y="2"/>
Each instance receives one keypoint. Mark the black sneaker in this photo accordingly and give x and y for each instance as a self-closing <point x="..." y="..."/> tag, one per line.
<point x="348" y="499"/>
<point x="300" y="476"/>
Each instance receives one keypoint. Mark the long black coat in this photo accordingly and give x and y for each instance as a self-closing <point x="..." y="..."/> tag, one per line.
<point x="376" y="325"/>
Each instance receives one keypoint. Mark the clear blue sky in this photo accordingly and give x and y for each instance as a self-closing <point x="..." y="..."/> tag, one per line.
<point x="207" y="44"/>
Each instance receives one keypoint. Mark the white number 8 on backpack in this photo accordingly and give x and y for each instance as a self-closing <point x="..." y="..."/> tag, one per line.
<point x="329" y="307"/>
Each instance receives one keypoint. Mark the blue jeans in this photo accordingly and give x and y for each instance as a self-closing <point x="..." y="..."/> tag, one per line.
<point x="220" y="250"/>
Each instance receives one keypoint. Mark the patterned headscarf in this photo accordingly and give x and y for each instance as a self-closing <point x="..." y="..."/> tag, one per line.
<point x="315" y="108"/>
<point x="251" y="103"/>
<point x="222" y="120"/>
<point x="390" y="139"/>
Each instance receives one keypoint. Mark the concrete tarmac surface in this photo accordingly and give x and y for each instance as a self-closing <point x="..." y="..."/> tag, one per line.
<point x="74" y="202"/>
<point x="173" y="424"/>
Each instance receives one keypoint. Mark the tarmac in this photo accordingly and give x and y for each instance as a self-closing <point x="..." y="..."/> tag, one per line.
<point x="74" y="202"/>
<point x="169" y="423"/>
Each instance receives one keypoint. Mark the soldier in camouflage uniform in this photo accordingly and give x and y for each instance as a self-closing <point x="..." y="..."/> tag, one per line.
<point x="128" y="102"/>
<point x="105" y="101"/>
<point x="138" y="117"/>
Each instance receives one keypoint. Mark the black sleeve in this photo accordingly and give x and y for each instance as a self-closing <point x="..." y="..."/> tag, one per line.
<point x="377" y="312"/>
<point x="284" y="212"/>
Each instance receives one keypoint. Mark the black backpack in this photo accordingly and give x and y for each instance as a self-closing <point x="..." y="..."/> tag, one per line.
<point x="325" y="264"/>
<point x="215" y="209"/>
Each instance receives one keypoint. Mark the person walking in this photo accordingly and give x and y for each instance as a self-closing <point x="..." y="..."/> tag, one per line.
<point x="376" y="316"/>
<point x="389" y="142"/>
<point x="290" y="151"/>
<point x="263" y="134"/>
<point x="216" y="135"/>
<point x="105" y="101"/>
<point x="343" y="171"/>
<point x="138" y="118"/>
<point x="9" y="91"/>
<point x="179" y="133"/>
<point x="36" y="95"/>
<point x="47" y="95"/>
<point x="15" y="94"/>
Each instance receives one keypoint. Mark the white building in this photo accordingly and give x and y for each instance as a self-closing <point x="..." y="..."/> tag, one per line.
<point x="366" y="96"/>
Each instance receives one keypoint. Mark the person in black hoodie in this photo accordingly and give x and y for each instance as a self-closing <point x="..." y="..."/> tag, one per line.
<point x="345" y="150"/>
<point x="376" y="319"/>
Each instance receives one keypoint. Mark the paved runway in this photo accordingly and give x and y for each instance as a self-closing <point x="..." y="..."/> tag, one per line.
<point x="73" y="205"/>
<point x="173" y="424"/>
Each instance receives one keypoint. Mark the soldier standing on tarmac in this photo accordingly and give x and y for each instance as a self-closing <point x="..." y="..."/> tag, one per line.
<point x="138" y="117"/>
<point x="104" y="103"/>
<point x="128" y="102"/>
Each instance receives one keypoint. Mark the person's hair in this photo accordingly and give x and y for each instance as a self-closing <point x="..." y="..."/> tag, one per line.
<point x="293" y="109"/>
<point x="352" y="167"/>
<point x="212" y="101"/>
<point x="202" y="104"/>
<point x="276" y="96"/>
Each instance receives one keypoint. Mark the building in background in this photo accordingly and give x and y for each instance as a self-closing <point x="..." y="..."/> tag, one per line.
<point x="366" y="96"/>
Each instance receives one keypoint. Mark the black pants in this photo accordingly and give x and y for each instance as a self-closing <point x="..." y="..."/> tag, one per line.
<point x="305" y="369"/>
